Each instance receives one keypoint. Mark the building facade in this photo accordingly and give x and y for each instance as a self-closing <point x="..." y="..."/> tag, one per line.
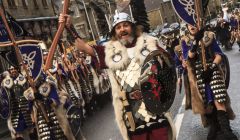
<point x="37" y="17"/>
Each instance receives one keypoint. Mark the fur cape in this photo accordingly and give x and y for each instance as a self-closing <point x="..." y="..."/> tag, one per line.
<point x="196" y="98"/>
<point x="113" y="47"/>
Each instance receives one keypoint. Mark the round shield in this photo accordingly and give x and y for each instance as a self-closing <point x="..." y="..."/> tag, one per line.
<point x="74" y="115"/>
<point x="4" y="104"/>
<point x="158" y="82"/>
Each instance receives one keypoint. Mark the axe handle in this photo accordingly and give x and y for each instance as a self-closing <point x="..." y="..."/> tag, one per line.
<point x="128" y="112"/>
<point x="56" y="38"/>
<point x="199" y="15"/>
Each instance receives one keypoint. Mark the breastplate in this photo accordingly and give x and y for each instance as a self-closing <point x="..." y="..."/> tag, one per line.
<point x="128" y="78"/>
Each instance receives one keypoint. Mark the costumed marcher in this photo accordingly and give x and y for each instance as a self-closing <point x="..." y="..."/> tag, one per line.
<point x="62" y="106"/>
<point x="208" y="91"/>
<point x="170" y="40"/>
<point x="236" y="32"/>
<point x="123" y="56"/>
<point x="20" y="120"/>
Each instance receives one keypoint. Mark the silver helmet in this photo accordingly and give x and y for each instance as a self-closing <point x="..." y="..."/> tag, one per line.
<point x="120" y="17"/>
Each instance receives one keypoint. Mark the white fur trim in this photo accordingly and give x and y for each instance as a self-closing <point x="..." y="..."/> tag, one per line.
<point x="210" y="36"/>
<point x="11" y="129"/>
<point x="7" y="82"/>
<point x="118" y="106"/>
<point x="114" y="47"/>
<point x="151" y="45"/>
<point x="44" y="89"/>
<point x="173" y="128"/>
<point x="96" y="81"/>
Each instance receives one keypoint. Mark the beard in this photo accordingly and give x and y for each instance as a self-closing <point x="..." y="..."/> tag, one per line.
<point x="129" y="40"/>
<point x="126" y="41"/>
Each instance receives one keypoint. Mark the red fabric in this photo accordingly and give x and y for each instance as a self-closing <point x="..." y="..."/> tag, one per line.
<point x="155" y="134"/>
<point x="100" y="50"/>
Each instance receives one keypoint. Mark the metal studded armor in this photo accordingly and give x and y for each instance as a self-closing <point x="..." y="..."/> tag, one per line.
<point x="47" y="121"/>
<point x="75" y="104"/>
<point x="217" y="84"/>
<point x="49" y="130"/>
<point x="19" y="105"/>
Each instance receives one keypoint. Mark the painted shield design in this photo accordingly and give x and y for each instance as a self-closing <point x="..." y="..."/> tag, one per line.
<point x="4" y="104"/>
<point x="32" y="56"/>
<point x="158" y="82"/>
<point x="74" y="115"/>
<point x="185" y="10"/>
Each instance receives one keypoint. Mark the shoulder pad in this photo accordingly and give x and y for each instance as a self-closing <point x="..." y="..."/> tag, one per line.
<point x="7" y="82"/>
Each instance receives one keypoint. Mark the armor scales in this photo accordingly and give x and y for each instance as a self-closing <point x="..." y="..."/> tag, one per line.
<point x="217" y="83"/>
<point x="20" y="112"/>
<point x="69" y="88"/>
<point x="49" y="130"/>
<point x="128" y="80"/>
<point x="85" y="85"/>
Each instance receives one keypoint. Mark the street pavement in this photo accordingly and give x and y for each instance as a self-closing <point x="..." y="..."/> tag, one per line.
<point x="102" y="126"/>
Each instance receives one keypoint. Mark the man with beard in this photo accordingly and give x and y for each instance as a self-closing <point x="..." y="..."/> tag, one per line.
<point x="20" y="120"/>
<point x="128" y="47"/>
<point x="208" y="90"/>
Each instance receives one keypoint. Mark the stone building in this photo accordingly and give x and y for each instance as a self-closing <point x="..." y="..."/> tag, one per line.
<point x="37" y="17"/>
<point x="160" y="12"/>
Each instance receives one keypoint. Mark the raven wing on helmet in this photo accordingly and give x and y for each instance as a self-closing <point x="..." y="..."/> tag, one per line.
<point x="100" y="14"/>
<point x="139" y="14"/>
<point x="138" y="10"/>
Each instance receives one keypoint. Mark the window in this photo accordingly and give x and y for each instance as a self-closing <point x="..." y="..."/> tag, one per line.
<point x="76" y="12"/>
<point x="45" y="4"/>
<point x="35" y="4"/>
<point x="12" y="3"/>
<point x="25" y="3"/>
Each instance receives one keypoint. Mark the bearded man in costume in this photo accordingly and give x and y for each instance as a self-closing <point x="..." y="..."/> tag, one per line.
<point x="128" y="47"/>
<point x="208" y="90"/>
<point x="20" y="119"/>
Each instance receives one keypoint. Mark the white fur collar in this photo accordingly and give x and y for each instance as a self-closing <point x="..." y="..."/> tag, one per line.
<point x="21" y="80"/>
<point x="7" y="82"/>
<point x="144" y="45"/>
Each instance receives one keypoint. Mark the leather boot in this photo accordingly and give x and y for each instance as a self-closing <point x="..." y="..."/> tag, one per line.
<point x="33" y="135"/>
<point x="226" y="131"/>
<point x="214" y="126"/>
